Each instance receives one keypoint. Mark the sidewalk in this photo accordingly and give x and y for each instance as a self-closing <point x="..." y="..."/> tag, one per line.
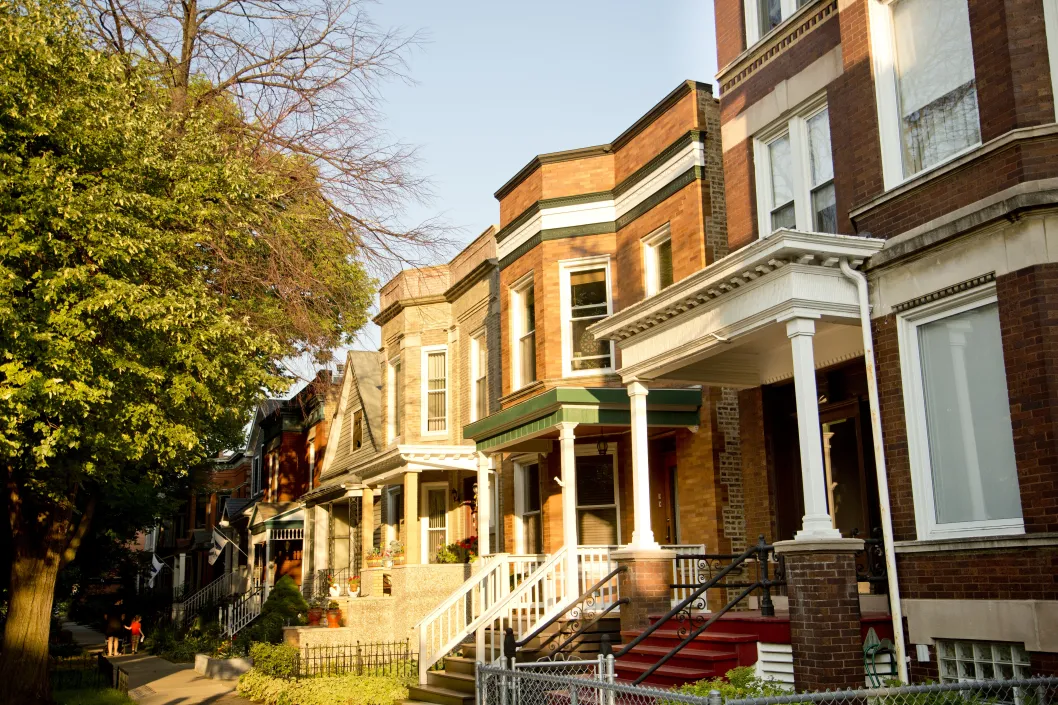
<point x="155" y="681"/>
<point x="85" y="637"/>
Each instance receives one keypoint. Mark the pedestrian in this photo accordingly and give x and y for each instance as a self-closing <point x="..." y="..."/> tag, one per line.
<point x="113" y="632"/>
<point x="136" y="632"/>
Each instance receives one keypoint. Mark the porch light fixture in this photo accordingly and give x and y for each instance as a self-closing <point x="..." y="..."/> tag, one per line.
<point x="602" y="446"/>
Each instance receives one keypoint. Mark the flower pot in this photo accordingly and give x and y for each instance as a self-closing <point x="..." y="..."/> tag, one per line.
<point x="388" y="563"/>
<point x="334" y="619"/>
<point x="335" y="591"/>
<point x="398" y="560"/>
<point x="354" y="590"/>
<point x="374" y="562"/>
<point x="315" y="615"/>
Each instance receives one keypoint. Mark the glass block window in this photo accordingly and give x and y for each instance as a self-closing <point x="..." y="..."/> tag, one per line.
<point x="960" y="661"/>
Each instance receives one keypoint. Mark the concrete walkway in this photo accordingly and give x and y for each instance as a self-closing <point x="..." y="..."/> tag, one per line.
<point x="155" y="681"/>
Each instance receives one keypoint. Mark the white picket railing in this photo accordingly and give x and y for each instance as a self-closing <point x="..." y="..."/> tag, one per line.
<point x="596" y="562"/>
<point x="224" y="586"/>
<point x="237" y="615"/>
<point x="456" y="618"/>
<point x="684" y="572"/>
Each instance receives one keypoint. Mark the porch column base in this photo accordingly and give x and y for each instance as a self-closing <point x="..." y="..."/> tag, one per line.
<point x="647" y="583"/>
<point x="824" y="612"/>
<point x="371" y="582"/>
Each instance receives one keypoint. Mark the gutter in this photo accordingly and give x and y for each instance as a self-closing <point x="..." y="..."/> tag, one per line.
<point x="879" y="461"/>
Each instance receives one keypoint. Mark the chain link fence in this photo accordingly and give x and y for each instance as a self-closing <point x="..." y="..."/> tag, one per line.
<point x="549" y="686"/>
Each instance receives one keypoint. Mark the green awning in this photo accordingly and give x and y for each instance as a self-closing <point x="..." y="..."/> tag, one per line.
<point x="595" y="406"/>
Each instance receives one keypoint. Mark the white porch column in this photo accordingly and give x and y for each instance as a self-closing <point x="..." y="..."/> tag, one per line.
<point x="642" y="534"/>
<point x="484" y="505"/>
<point x="816" y="523"/>
<point x="269" y="574"/>
<point x="179" y="575"/>
<point x="569" y="506"/>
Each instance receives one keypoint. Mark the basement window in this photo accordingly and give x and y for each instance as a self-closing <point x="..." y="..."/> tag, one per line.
<point x="961" y="661"/>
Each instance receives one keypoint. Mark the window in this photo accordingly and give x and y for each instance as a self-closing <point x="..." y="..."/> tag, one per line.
<point x="394" y="513"/>
<point x="795" y="174"/>
<point x="396" y="398"/>
<point x="762" y="16"/>
<point x="961" y="661"/>
<point x="597" y="522"/>
<point x="310" y="441"/>
<point x="527" y="506"/>
<point x="926" y="86"/>
<point x="657" y="260"/>
<point x="201" y="511"/>
<point x="358" y="429"/>
<point x="965" y="480"/>
<point x="585" y="300"/>
<point x="523" y="327"/>
<point x="479" y="373"/>
<point x="435" y="390"/>
<point x="255" y="475"/>
<point x="435" y="528"/>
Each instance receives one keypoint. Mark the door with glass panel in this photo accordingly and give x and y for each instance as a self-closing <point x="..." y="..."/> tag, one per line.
<point x="596" y="500"/>
<point x="531" y="540"/>
<point x="435" y="524"/>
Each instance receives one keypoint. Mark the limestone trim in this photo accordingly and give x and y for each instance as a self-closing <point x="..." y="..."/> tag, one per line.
<point x="797" y="546"/>
<point x="1034" y="623"/>
<point x="997" y="543"/>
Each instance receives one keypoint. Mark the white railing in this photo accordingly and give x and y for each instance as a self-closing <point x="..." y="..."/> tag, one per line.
<point x="684" y="572"/>
<point x="286" y="534"/>
<point x="237" y="615"/>
<point x="222" y="587"/>
<point x="596" y="562"/>
<point x="455" y="619"/>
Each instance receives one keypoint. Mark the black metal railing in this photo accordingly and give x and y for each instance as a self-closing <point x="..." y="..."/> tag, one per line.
<point x="325" y="577"/>
<point x="870" y="563"/>
<point x="370" y="659"/>
<point x="581" y="615"/>
<point x="693" y="623"/>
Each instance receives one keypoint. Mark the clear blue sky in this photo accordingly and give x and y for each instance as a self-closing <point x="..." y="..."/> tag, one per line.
<point x="497" y="83"/>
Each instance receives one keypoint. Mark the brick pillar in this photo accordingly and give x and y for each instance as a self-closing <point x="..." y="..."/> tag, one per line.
<point x="647" y="583"/>
<point x="371" y="581"/>
<point x="824" y="613"/>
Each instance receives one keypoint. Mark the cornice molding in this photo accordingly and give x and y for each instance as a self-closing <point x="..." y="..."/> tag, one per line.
<point x="390" y="312"/>
<point x="482" y="270"/>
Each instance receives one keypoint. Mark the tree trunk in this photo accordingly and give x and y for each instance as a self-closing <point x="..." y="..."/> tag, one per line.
<point x="24" y="658"/>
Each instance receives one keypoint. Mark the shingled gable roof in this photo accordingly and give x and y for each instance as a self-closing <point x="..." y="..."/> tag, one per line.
<point x="361" y="388"/>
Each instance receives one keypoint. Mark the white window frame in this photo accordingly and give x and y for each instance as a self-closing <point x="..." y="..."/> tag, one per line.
<point x="391" y="400"/>
<point x="915" y="417"/>
<point x="651" y="242"/>
<point x="752" y="13"/>
<point x="424" y="518"/>
<point x="883" y="54"/>
<point x="477" y="340"/>
<point x="1050" y="21"/>
<point x="517" y="292"/>
<point x="611" y="450"/>
<point x="565" y="269"/>
<point x="519" y="498"/>
<point x="425" y="387"/>
<point x="796" y="126"/>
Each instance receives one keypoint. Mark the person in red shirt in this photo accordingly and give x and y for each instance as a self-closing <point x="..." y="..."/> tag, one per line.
<point x="136" y="628"/>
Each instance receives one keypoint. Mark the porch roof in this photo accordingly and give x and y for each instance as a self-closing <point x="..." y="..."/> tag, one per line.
<point x="727" y="313"/>
<point x="273" y="514"/>
<point x="596" y="406"/>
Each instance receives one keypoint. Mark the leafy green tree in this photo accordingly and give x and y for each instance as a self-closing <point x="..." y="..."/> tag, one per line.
<point x="156" y="264"/>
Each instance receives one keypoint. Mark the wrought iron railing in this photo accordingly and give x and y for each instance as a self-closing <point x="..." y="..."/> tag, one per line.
<point x="688" y="612"/>
<point x="870" y="564"/>
<point x="320" y="583"/>
<point x="580" y="615"/>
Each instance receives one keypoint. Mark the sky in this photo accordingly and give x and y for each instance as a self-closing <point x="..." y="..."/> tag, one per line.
<point x="496" y="83"/>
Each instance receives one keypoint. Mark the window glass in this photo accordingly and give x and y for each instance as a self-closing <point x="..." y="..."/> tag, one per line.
<point x="663" y="257"/>
<point x="782" y="193"/>
<point x="821" y="172"/>
<point x="481" y="382"/>
<point x="527" y="338"/>
<point x="770" y="14"/>
<point x="588" y="305"/>
<point x="971" y="446"/>
<point x="358" y="429"/>
<point x="596" y="501"/>
<point x="531" y="528"/>
<point x="982" y="661"/>
<point x="935" y="81"/>
<point x="398" y="397"/>
<point x="436" y="391"/>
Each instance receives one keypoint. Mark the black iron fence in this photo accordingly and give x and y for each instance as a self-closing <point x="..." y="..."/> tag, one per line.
<point x="81" y="672"/>
<point x="379" y="658"/>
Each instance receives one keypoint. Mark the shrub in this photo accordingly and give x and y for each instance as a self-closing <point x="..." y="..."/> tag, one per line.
<point x="325" y="690"/>
<point x="276" y="660"/>
<point x="740" y="682"/>
<point x="285" y="600"/>
<point x="108" y="696"/>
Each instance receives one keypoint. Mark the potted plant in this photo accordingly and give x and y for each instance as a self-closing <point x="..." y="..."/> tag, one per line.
<point x="375" y="558"/>
<point x="334" y="615"/>
<point x="316" y="612"/>
<point x="333" y="588"/>
<point x="396" y="552"/>
<point x="354" y="586"/>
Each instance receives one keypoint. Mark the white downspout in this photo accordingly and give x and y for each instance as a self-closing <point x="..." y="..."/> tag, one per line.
<point x="880" y="468"/>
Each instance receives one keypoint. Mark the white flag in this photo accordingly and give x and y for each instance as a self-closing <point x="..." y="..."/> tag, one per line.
<point x="156" y="567"/>
<point x="219" y="542"/>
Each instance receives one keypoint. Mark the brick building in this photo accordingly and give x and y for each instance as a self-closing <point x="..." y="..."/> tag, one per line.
<point x="890" y="218"/>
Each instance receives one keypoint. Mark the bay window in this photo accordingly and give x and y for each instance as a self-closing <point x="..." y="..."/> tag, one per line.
<point x="762" y="16"/>
<point x="479" y="375"/>
<point x="926" y="84"/>
<point x="657" y="260"/>
<point x="964" y="475"/>
<point x="795" y="174"/>
<point x="585" y="300"/>
<point x="435" y="390"/>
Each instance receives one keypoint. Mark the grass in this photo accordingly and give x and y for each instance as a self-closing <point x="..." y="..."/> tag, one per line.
<point x="85" y="696"/>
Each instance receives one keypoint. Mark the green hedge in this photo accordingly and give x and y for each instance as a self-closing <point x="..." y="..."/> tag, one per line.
<point x="275" y="660"/>
<point x="739" y="682"/>
<point x="324" y="690"/>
